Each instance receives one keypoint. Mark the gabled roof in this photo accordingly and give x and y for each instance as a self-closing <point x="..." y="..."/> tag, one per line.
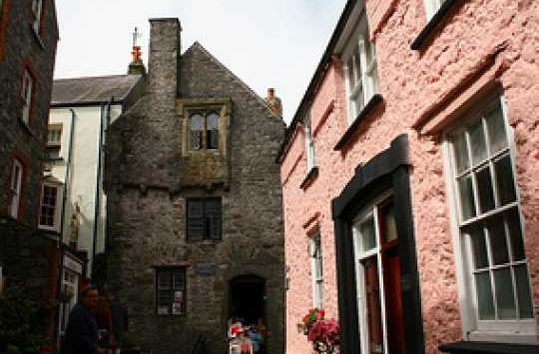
<point x="250" y="91"/>
<point x="318" y="76"/>
<point x="92" y="90"/>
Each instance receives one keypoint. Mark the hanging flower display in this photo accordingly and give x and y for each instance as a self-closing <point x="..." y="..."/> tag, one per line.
<point x="323" y="333"/>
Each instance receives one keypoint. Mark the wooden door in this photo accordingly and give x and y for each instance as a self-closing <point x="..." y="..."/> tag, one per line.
<point x="374" y="312"/>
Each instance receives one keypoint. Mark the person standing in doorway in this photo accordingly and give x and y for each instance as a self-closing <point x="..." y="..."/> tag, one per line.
<point x="81" y="334"/>
<point x="118" y="314"/>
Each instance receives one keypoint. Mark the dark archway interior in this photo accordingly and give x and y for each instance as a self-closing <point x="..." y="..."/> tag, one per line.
<point x="247" y="298"/>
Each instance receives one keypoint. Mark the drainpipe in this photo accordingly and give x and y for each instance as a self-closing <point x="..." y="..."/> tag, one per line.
<point x="62" y="222"/>
<point x="105" y="114"/>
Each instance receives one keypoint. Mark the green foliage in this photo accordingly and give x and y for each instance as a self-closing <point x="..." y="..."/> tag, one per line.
<point x="20" y="323"/>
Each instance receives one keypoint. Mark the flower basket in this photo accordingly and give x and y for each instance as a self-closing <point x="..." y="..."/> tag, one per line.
<point x="323" y="333"/>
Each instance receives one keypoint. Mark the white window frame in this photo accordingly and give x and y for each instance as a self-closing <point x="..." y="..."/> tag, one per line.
<point x="317" y="270"/>
<point x="26" y="96"/>
<point x="55" y="208"/>
<point x="370" y="211"/>
<point x="37" y="9"/>
<point x="55" y="132"/>
<point x="309" y="143"/>
<point x="17" y="174"/>
<point x="521" y="330"/>
<point x="368" y="83"/>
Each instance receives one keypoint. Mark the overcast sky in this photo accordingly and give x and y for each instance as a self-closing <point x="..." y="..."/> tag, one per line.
<point x="267" y="43"/>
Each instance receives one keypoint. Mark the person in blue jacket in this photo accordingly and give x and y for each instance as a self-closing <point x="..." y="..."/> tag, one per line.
<point x="81" y="334"/>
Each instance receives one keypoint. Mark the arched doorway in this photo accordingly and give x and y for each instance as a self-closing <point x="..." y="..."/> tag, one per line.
<point x="247" y="298"/>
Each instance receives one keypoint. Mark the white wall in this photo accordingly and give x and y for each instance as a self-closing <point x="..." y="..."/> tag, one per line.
<point x="83" y="176"/>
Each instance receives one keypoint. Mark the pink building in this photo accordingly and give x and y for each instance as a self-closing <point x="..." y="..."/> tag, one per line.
<point x="410" y="175"/>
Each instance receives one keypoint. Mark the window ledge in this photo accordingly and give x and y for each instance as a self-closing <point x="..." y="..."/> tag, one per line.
<point x="309" y="179"/>
<point x="432" y="24"/>
<point x="369" y="107"/>
<point x="37" y="37"/>
<point x="488" y="348"/>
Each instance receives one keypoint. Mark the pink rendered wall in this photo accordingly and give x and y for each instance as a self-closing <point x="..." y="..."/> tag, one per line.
<point x="423" y="92"/>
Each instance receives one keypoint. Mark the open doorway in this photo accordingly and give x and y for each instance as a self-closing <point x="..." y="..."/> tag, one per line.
<point x="247" y="298"/>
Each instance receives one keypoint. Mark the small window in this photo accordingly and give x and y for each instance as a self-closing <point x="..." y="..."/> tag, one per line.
<point x="54" y="141"/>
<point x="17" y="173"/>
<point x="49" y="203"/>
<point x="490" y="222"/>
<point x="309" y="142"/>
<point x="26" y="96"/>
<point x="432" y="6"/>
<point x="170" y="291"/>
<point x="203" y="219"/>
<point x="37" y="8"/>
<point x="317" y="268"/>
<point x="204" y="131"/>
<point x="361" y="71"/>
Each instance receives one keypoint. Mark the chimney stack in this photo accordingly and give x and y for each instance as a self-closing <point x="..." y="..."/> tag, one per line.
<point x="164" y="59"/>
<point x="136" y="67"/>
<point x="274" y="102"/>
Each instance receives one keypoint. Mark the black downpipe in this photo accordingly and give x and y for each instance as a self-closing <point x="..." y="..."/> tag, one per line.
<point x="105" y="114"/>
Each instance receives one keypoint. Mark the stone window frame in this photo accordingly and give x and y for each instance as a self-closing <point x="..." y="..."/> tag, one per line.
<point x="169" y="272"/>
<point x="316" y="255"/>
<point x="360" y="46"/>
<point x="474" y="328"/>
<point x="27" y="95"/>
<point x="222" y="105"/>
<point x="4" y="12"/>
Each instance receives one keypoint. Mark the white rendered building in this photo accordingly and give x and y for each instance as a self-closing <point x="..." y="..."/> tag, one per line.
<point x="81" y="109"/>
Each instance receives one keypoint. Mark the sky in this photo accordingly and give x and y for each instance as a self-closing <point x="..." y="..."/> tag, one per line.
<point x="275" y="43"/>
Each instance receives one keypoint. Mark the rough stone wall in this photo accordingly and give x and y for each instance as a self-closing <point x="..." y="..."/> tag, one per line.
<point x="21" y="47"/>
<point x="147" y="210"/>
<point x="417" y="85"/>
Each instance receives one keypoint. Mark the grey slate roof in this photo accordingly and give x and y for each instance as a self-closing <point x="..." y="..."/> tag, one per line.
<point x="86" y="90"/>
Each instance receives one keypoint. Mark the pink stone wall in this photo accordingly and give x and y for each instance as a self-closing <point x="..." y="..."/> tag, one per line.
<point x="481" y="43"/>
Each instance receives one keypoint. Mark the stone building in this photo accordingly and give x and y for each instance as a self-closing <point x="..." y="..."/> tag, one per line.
<point x="194" y="203"/>
<point x="410" y="180"/>
<point x="28" y="258"/>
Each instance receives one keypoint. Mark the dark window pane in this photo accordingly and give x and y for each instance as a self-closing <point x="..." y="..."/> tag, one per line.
<point x="504" y="177"/>
<point x="496" y="129"/>
<point x="389" y="226"/>
<point x="497" y="240"/>
<point x="505" y="299"/>
<point x="512" y="218"/>
<point x="484" y="296"/>
<point x="461" y="153"/>
<point x="523" y="291"/>
<point x="368" y="234"/>
<point x="466" y="197"/>
<point x="213" y="218"/>
<point x="486" y="195"/>
<point x="163" y="281"/>
<point x="477" y="141"/>
<point x="195" y="219"/>
<point x="479" y="247"/>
